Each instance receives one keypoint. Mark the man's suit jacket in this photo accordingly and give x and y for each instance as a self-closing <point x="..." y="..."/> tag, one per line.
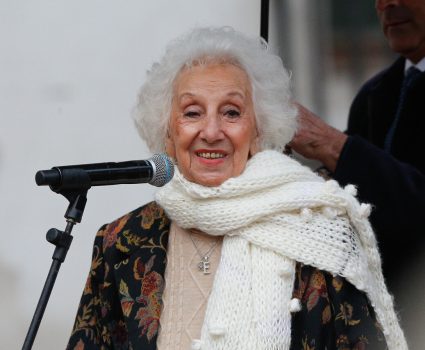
<point x="394" y="183"/>
<point x="121" y="303"/>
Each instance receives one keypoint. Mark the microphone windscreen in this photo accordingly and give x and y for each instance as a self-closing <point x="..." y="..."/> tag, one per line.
<point x="164" y="169"/>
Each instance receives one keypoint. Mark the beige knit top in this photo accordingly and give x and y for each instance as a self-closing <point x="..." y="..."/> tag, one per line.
<point x="187" y="288"/>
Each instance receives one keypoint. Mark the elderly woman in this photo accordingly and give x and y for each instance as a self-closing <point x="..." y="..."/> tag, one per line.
<point x="244" y="248"/>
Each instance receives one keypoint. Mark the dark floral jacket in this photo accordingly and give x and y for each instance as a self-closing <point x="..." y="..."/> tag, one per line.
<point x="121" y="303"/>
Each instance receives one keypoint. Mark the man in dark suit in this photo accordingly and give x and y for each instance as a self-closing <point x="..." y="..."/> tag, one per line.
<point x="383" y="149"/>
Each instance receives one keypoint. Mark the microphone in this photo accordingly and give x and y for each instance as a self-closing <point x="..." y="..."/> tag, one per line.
<point x="157" y="171"/>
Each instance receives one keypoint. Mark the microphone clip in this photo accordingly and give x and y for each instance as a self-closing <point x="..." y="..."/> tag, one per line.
<point x="61" y="240"/>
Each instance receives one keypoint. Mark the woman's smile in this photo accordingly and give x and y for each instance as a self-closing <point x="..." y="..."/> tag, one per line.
<point x="211" y="157"/>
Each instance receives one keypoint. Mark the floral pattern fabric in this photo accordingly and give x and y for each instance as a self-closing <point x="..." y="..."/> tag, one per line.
<point x="334" y="315"/>
<point x="121" y="303"/>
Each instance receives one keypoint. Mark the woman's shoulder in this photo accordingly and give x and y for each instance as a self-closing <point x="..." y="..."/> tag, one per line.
<point x="128" y="255"/>
<point x="134" y="228"/>
<point x="144" y="216"/>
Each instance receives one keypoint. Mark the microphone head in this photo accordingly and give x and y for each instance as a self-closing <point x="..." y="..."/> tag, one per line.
<point x="163" y="169"/>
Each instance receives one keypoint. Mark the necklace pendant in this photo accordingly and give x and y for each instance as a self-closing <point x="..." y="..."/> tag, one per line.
<point x="204" y="265"/>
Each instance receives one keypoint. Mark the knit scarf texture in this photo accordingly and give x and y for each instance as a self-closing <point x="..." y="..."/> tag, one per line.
<point x="277" y="213"/>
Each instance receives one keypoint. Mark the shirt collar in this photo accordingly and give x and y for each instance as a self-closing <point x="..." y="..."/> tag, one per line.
<point x="420" y="65"/>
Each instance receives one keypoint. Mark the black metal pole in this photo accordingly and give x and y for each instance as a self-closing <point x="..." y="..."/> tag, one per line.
<point x="58" y="257"/>
<point x="264" y="23"/>
<point x="62" y="240"/>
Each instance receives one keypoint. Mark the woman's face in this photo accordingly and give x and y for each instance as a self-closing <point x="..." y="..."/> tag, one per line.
<point x="212" y="130"/>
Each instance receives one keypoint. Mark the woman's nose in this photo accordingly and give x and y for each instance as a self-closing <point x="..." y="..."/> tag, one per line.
<point x="212" y="129"/>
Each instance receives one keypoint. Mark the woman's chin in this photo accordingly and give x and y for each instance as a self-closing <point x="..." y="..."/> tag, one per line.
<point x="209" y="180"/>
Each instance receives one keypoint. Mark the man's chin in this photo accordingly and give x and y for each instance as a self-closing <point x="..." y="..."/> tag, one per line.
<point x="404" y="45"/>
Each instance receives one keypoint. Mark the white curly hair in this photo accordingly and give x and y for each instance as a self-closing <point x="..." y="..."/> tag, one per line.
<point x="275" y="113"/>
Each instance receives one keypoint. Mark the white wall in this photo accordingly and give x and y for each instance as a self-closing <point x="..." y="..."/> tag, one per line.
<point x="69" y="75"/>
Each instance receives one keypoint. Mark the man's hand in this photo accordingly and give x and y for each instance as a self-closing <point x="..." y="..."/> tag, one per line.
<point x="317" y="140"/>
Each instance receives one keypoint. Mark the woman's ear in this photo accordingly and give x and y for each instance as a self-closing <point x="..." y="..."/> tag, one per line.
<point x="254" y="147"/>
<point x="169" y="145"/>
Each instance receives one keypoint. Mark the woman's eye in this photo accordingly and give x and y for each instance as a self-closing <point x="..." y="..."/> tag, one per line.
<point x="232" y="113"/>
<point x="191" y="114"/>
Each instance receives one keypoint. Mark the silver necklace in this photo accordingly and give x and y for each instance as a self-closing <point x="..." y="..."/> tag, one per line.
<point x="204" y="263"/>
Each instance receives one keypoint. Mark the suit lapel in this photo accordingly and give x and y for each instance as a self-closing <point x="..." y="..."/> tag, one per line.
<point x="382" y="102"/>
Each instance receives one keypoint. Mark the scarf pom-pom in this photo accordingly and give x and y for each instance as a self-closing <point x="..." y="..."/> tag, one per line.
<point x="217" y="331"/>
<point x="351" y="189"/>
<point x="196" y="344"/>
<point x="295" y="305"/>
<point x="330" y="213"/>
<point x="331" y="186"/>
<point x="365" y="210"/>
<point x="306" y="214"/>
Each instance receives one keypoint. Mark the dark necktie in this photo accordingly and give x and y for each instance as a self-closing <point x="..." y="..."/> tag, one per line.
<point x="411" y="75"/>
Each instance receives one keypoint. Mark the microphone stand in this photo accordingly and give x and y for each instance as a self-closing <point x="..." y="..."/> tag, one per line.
<point x="77" y="197"/>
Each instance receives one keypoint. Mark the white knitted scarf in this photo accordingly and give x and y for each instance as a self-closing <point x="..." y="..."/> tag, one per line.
<point x="277" y="212"/>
